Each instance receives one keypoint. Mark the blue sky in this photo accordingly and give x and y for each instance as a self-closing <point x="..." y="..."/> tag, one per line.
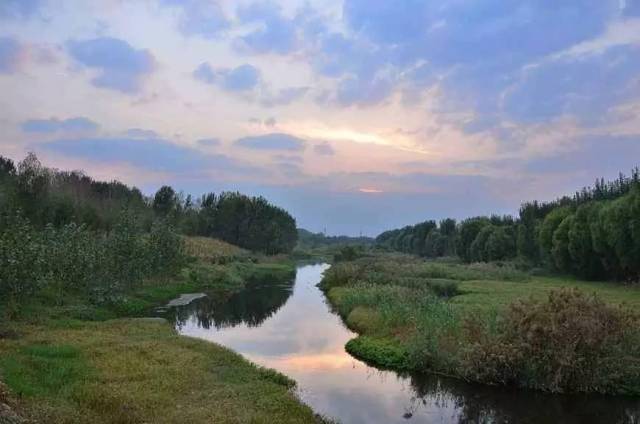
<point x="355" y="115"/>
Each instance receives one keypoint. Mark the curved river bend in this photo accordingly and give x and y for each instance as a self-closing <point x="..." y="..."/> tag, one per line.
<point x="290" y="327"/>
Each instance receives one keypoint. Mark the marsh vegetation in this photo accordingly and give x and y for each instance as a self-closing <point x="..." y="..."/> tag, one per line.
<point x="490" y="323"/>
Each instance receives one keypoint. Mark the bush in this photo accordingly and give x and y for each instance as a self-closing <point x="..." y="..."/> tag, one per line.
<point x="74" y="260"/>
<point x="22" y="264"/>
<point x="381" y="352"/>
<point x="570" y="342"/>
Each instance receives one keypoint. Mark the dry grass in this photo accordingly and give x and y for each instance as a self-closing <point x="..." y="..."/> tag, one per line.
<point x="212" y="250"/>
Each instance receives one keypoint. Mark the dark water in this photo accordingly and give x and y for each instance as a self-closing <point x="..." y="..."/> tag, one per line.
<point x="289" y="327"/>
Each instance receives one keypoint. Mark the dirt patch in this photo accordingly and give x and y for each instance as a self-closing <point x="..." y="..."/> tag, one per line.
<point x="7" y="412"/>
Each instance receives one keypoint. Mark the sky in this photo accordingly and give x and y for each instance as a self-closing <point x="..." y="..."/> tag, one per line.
<point x="356" y="116"/>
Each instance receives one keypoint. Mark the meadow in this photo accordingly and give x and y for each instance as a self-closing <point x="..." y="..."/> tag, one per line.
<point x="73" y="361"/>
<point x="490" y="323"/>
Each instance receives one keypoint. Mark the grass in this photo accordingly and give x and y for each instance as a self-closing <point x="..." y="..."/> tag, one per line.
<point x="445" y="316"/>
<point x="76" y="362"/>
<point x="212" y="250"/>
<point x="129" y="371"/>
<point x="487" y="295"/>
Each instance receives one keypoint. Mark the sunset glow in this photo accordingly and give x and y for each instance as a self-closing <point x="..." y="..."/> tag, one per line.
<point x="308" y="101"/>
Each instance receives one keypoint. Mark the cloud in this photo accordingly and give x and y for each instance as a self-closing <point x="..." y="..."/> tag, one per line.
<point x="141" y="133"/>
<point x="52" y="125"/>
<point x="205" y="73"/>
<point x="276" y="34"/>
<point x="208" y="142"/>
<point x="284" y="96"/>
<point x="242" y="78"/>
<point x="474" y="52"/>
<point x="12" y="55"/>
<point x="592" y="156"/>
<point x="363" y="91"/>
<point x="586" y="86"/>
<point x="288" y="158"/>
<point x="150" y="154"/>
<point x="19" y="9"/>
<point x="120" y="66"/>
<point x="632" y="8"/>
<point x="202" y="18"/>
<point x="275" y="141"/>
<point x="370" y="190"/>
<point x="324" y="149"/>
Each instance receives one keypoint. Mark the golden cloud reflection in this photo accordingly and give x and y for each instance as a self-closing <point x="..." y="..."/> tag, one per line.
<point x="311" y="362"/>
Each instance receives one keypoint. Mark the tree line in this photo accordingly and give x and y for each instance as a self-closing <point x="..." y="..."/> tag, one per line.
<point x="63" y="233"/>
<point x="48" y="196"/>
<point x="593" y="234"/>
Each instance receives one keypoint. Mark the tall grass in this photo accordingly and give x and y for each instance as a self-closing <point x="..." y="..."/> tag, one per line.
<point x="567" y="342"/>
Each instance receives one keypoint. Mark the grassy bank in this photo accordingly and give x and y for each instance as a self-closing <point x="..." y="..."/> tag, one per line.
<point x="490" y="323"/>
<point x="75" y="361"/>
<point x="130" y="371"/>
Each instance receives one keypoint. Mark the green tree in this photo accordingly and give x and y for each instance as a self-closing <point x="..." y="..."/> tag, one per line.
<point x="560" y="249"/>
<point x="165" y="201"/>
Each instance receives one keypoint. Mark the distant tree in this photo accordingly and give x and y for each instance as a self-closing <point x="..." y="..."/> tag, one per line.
<point x="7" y="167"/>
<point x="467" y="233"/>
<point x="560" y="249"/>
<point x="165" y="201"/>
<point x="549" y="226"/>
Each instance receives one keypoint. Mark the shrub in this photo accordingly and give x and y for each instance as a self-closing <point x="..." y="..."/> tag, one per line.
<point x="22" y="265"/>
<point x="569" y="342"/>
<point x="382" y="352"/>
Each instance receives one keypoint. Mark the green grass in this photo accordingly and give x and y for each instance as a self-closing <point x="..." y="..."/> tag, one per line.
<point x="127" y="371"/>
<point x="487" y="295"/>
<point x="382" y="352"/>
<point x="74" y="362"/>
<point x="44" y="370"/>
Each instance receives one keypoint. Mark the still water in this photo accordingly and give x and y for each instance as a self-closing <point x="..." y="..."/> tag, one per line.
<point x="291" y="328"/>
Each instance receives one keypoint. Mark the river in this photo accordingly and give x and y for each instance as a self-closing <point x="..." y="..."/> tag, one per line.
<point x="291" y="328"/>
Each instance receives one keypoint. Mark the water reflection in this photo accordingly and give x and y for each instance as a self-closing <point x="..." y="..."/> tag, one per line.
<point x="289" y="327"/>
<point x="250" y="307"/>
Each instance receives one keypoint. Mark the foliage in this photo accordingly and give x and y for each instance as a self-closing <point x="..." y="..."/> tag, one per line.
<point x="379" y="351"/>
<point x="594" y="234"/>
<point x="73" y="259"/>
<point x="47" y="196"/>
<point x="481" y="331"/>
<point x="570" y="342"/>
<point x="309" y="240"/>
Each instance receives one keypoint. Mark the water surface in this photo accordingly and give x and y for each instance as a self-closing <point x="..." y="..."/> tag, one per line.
<point x="290" y="327"/>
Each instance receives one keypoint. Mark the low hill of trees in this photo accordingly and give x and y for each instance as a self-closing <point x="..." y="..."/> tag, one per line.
<point x="309" y="240"/>
<point x="52" y="197"/>
<point x="593" y="234"/>
<point x="64" y="234"/>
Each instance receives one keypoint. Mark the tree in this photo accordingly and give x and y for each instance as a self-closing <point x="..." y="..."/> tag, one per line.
<point x="7" y="168"/>
<point x="467" y="234"/>
<point x="165" y="201"/>
<point x="549" y="226"/>
<point x="560" y="249"/>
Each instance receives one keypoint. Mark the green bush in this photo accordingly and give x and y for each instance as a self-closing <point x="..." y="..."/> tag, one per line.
<point x="381" y="352"/>
<point x="71" y="259"/>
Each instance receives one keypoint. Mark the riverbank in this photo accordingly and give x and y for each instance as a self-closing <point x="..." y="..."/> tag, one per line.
<point x="76" y="362"/>
<point x="490" y="323"/>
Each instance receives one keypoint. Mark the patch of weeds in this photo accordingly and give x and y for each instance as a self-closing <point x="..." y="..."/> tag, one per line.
<point x="276" y="377"/>
<point x="381" y="352"/>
